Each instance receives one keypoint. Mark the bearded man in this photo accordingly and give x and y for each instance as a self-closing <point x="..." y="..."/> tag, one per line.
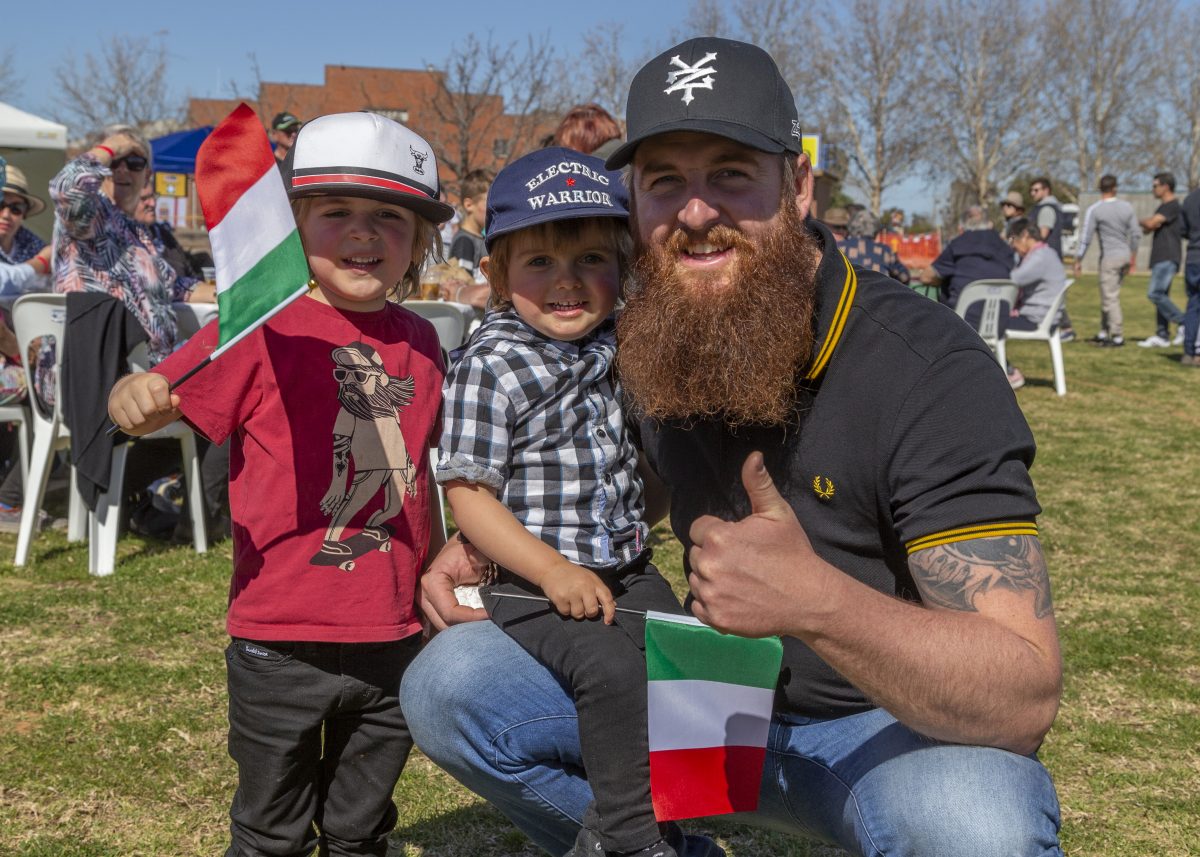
<point x="847" y="468"/>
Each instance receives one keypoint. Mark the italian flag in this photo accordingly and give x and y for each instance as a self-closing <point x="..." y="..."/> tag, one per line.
<point x="710" y="697"/>
<point x="260" y="263"/>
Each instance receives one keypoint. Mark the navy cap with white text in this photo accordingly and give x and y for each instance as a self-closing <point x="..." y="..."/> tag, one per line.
<point x="715" y="86"/>
<point x="552" y="184"/>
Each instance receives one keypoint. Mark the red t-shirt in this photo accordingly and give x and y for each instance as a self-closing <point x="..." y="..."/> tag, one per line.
<point x="332" y="414"/>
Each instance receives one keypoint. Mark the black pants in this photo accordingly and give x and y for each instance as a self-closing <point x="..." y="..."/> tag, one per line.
<point x="319" y="739"/>
<point x="605" y="667"/>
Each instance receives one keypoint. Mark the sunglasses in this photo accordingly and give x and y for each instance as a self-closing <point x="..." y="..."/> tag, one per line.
<point x="361" y="376"/>
<point x="133" y="163"/>
<point x="20" y="209"/>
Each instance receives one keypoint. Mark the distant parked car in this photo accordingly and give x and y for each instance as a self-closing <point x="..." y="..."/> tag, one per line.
<point x="1070" y="231"/>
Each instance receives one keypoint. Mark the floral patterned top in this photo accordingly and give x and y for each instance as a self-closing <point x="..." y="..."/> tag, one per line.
<point x="25" y="246"/>
<point x="98" y="248"/>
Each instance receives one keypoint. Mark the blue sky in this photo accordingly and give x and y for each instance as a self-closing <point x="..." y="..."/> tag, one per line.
<point x="210" y="40"/>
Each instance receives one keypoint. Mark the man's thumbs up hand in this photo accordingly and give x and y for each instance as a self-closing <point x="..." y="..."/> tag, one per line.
<point x="750" y="577"/>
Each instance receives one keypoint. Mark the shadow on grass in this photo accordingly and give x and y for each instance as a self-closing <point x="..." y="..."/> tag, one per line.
<point x="473" y="830"/>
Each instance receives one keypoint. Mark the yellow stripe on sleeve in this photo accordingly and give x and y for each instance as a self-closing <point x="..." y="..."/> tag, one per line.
<point x="980" y="531"/>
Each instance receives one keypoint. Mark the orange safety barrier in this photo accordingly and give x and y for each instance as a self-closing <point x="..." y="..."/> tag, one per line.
<point x="915" y="251"/>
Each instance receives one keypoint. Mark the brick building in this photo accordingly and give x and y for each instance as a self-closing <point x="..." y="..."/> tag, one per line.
<point x="486" y="138"/>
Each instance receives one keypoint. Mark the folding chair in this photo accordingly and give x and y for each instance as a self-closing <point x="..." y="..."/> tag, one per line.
<point x="449" y="319"/>
<point x="40" y="315"/>
<point x="19" y="414"/>
<point x="991" y="293"/>
<point x="1047" y="332"/>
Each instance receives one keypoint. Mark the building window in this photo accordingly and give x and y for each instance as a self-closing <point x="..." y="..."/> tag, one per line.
<point x="500" y="148"/>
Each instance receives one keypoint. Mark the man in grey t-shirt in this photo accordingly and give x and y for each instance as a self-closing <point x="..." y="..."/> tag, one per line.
<point x="1113" y="221"/>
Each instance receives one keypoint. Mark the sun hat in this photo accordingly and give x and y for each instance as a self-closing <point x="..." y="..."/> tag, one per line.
<point x="552" y="184"/>
<point x="717" y="86"/>
<point x="16" y="183"/>
<point x="836" y="217"/>
<point x="1014" y="198"/>
<point x="365" y="154"/>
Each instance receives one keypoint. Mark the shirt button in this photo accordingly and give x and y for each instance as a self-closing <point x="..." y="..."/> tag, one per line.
<point x="601" y="433"/>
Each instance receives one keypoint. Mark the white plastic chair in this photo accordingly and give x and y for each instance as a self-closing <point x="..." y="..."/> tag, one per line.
<point x="448" y="318"/>
<point x="40" y="315"/>
<point x="1047" y="332"/>
<point x="991" y="293"/>
<point x="35" y="316"/>
<point x="19" y="414"/>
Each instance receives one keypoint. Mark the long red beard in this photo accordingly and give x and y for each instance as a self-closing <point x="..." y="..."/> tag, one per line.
<point x="692" y="346"/>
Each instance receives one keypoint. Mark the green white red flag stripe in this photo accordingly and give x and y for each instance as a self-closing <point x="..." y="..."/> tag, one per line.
<point x="257" y="252"/>
<point x="709" y="700"/>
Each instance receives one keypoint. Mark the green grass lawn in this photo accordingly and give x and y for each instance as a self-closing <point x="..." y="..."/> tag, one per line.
<point x="112" y="692"/>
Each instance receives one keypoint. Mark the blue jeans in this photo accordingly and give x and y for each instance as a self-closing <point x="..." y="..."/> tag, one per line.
<point x="504" y="726"/>
<point x="1161" y="275"/>
<point x="1191" y="317"/>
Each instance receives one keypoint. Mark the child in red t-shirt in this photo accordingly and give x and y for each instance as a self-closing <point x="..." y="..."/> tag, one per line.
<point x="332" y="406"/>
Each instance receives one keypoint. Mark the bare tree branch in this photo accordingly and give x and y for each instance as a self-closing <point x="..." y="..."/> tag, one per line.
<point x="983" y="82"/>
<point x="1101" y="61"/>
<point x="1167" y="125"/>
<point x="873" y="83"/>
<point x="10" y="82"/>
<point x="489" y="101"/>
<point x="125" y="82"/>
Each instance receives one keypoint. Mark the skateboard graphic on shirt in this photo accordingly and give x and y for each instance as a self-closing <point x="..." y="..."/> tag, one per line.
<point x="369" y="441"/>
<point x="344" y="553"/>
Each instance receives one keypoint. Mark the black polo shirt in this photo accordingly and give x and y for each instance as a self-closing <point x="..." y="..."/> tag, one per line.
<point x="906" y="436"/>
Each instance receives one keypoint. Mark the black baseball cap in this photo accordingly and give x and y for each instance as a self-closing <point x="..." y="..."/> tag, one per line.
<point x="717" y="86"/>
<point x="285" y="122"/>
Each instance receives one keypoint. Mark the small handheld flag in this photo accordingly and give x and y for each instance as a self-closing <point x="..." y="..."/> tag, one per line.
<point x="710" y="697"/>
<point x="260" y="263"/>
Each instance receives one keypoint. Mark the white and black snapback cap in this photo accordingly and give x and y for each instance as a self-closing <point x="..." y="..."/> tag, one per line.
<point x="365" y="154"/>
<point x="714" y="86"/>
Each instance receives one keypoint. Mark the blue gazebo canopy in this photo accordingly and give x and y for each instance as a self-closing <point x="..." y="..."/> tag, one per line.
<point x="176" y="153"/>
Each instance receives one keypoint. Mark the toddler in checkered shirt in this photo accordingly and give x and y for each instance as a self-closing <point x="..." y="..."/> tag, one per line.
<point x="542" y="474"/>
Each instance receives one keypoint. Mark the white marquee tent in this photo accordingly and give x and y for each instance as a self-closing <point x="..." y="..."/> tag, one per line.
<point x="39" y="147"/>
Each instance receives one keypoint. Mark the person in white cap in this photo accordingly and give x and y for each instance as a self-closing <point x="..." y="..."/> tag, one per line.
<point x="848" y="469"/>
<point x="331" y="407"/>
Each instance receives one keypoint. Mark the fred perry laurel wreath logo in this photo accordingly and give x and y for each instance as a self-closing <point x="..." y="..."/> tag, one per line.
<point x="823" y="487"/>
<point x="688" y="77"/>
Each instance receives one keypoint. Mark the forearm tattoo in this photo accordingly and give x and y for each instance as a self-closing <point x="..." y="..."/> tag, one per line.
<point x="952" y="575"/>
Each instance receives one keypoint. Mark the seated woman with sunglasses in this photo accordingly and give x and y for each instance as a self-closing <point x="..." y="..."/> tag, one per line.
<point x="99" y="246"/>
<point x="24" y="258"/>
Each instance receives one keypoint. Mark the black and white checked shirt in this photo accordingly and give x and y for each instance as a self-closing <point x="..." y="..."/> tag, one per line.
<point x="540" y="422"/>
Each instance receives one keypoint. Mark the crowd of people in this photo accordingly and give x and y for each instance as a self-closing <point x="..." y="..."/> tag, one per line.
<point x="106" y="243"/>
<point x="666" y="333"/>
<point x="1027" y="249"/>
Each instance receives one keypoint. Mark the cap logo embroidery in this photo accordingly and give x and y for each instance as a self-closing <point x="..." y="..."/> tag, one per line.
<point x="823" y="487"/>
<point x="689" y="77"/>
<point x="418" y="160"/>
<point x="796" y="128"/>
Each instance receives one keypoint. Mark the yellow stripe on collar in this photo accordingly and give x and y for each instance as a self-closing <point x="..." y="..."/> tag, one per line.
<point x="837" y="324"/>
<point x="980" y="531"/>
